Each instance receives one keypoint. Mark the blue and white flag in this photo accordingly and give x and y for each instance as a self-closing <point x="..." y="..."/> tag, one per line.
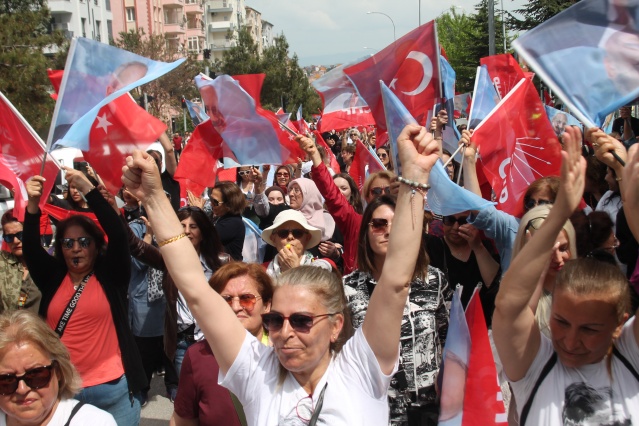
<point x="196" y="111"/>
<point x="96" y="74"/>
<point x="588" y="56"/>
<point x="485" y="98"/>
<point x="560" y="119"/>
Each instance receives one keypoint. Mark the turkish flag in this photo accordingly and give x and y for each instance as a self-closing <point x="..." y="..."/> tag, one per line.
<point x="482" y="394"/>
<point x="517" y="146"/>
<point x="198" y="163"/>
<point x="409" y="67"/>
<point x="55" y="76"/>
<point x="320" y="141"/>
<point x="21" y="155"/>
<point x="120" y="127"/>
<point x="504" y="70"/>
<point x="364" y="163"/>
<point x="59" y="213"/>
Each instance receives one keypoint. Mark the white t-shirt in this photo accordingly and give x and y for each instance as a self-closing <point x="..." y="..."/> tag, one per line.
<point x="584" y="395"/>
<point x="355" y="395"/>
<point x="86" y="415"/>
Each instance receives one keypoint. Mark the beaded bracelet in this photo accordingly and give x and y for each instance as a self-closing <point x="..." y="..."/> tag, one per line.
<point x="170" y="240"/>
<point x="413" y="184"/>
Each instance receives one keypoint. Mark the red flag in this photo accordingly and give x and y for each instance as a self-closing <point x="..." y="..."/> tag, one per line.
<point x="55" y="76"/>
<point x="517" y="146"/>
<point x="21" y="156"/>
<point x="120" y="127"/>
<point x="504" y="70"/>
<point x="320" y="141"/>
<point x="483" y="403"/>
<point x="548" y="99"/>
<point x="409" y="67"/>
<point x="364" y="163"/>
<point x="60" y="213"/>
<point x="198" y="163"/>
<point x="252" y="84"/>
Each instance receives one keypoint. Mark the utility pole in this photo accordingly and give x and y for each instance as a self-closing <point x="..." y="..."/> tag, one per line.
<point x="491" y="27"/>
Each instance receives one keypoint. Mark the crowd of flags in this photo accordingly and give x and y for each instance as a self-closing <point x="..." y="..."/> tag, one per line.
<point x="407" y="82"/>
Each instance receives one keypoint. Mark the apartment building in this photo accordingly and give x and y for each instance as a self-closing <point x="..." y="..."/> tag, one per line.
<point x="83" y="18"/>
<point x="131" y="15"/>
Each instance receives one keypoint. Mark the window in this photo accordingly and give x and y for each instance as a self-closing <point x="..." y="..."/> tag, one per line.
<point x="108" y="4"/>
<point x="84" y="26"/>
<point x="98" y="31"/>
<point x="130" y="14"/>
<point x="193" y="44"/>
<point x="95" y="2"/>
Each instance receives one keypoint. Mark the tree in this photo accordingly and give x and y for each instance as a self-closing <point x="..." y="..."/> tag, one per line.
<point x="285" y="82"/>
<point x="25" y="34"/>
<point x="536" y="12"/>
<point x="168" y="90"/>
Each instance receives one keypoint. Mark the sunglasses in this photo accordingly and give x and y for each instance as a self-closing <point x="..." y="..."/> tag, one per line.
<point x="247" y="300"/>
<point x="450" y="220"/>
<point x="379" y="224"/>
<point x="378" y="190"/>
<point x="302" y="323"/>
<point x="532" y="203"/>
<point x="67" y="243"/>
<point x="244" y="172"/>
<point x="282" y="174"/>
<point x="35" y="378"/>
<point x="297" y="233"/>
<point x="382" y="155"/>
<point x="215" y="202"/>
<point x="532" y="223"/>
<point x="9" y="238"/>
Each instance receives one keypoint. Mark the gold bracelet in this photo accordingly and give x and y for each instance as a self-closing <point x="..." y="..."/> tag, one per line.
<point x="170" y="240"/>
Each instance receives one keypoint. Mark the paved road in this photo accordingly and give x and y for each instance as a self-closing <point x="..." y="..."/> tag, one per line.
<point x="159" y="409"/>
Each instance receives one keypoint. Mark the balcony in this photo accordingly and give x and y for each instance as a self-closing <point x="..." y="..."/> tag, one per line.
<point x="174" y="28"/>
<point x="173" y="3"/>
<point x="194" y="8"/>
<point x="61" y="6"/>
<point x="222" y="46"/>
<point x="220" y="6"/>
<point x="223" y="26"/>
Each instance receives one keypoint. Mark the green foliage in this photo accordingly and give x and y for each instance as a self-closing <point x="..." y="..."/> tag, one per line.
<point x="465" y="40"/>
<point x="24" y="37"/>
<point x="536" y="12"/>
<point x="285" y="80"/>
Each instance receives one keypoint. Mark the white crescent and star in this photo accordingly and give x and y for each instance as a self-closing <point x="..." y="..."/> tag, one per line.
<point x="103" y="123"/>
<point x="427" y="66"/>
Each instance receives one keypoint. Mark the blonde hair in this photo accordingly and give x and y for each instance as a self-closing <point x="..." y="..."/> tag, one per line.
<point x="26" y="327"/>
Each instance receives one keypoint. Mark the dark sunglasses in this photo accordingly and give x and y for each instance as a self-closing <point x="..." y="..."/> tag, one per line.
<point x="244" y="172"/>
<point x="378" y="224"/>
<point x="297" y="233"/>
<point x="35" y="378"/>
<point x="190" y="209"/>
<point x="282" y="174"/>
<point x="67" y="243"/>
<point x="382" y="155"/>
<point x="532" y="203"/>
<point x="378" y="190"/>
<point x="8" y="238"/>
<point x="450" y="220"/>
<point x="247" y="300"/>
<point x="215" y="202"/>
<point x="302" y="323"/>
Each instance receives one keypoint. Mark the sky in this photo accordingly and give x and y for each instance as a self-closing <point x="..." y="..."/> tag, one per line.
<point x="323" y="32"/>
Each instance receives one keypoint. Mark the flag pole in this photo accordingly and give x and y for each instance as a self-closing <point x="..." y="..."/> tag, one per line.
<point x="461" y="165"/>
<point x="453" y="154"/>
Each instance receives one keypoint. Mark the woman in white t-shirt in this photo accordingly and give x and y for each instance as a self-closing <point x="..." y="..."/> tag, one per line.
<point x="586" y="372"/>
<point x="304" y="378"/>
<point x="37" y="379"/>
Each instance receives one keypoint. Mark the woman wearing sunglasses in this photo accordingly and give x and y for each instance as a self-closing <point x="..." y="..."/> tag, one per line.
<point x="383" y="153"/>
<point x="291" y="235"/>
<point x="247" y="182"/>
<point x="84" y="298"/>
<point x="345" y="213"/>
<point x="200" y="400"/>
<point x="426" y="323"/>
<point x="305" y="377"/>
<point x="228" y="202"/>
<point x="17" y="289"/>
<point x="37" y="379"/>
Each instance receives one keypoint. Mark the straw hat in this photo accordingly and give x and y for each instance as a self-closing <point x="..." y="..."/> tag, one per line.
<point x="294" y="216"/>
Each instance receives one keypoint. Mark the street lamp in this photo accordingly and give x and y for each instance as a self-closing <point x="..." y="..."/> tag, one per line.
<point x="391" y="19"/>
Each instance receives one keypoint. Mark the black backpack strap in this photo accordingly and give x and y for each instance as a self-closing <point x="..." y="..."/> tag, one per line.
<point x="74" y="412"/>
<point x="625" y="362"/>
<point x="544" y="372"/>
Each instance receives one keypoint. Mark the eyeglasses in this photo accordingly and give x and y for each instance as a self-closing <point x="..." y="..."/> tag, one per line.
<point x="297" y="233"/>
<point x="531" y="203"/>
<point x="302" y="323"/>
<point x="244" y="172"/>
<point x="450" y="220"/>
<point x="35" y="378"/>
<point x="9" y="238"/>
<point x="378" y="190"/>
<point x="68" y="243"/>
<point x="190" y="209"/>
<point x="304" y="408"/>
<point x="282" y="174"/>
<point x="294" y="190"/>
<point x="379" y="224"/>
<point x="382" y="155"/>
<point x="247" y="300"/>
<point x="215" y="202"/>
<point x="531" y="223"/>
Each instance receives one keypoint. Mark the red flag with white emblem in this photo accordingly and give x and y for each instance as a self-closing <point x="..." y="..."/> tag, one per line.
<point x="364" y="163"/>
<point x="517" y="145"/>
<point x="120" y="127"/>
<point x="409" y="67"/>
<point x="504" y="71"/>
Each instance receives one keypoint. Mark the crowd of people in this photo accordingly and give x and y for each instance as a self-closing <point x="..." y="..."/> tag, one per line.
<point x="345" y="319"/>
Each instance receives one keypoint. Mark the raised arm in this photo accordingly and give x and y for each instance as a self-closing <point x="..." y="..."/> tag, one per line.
<point x="221" y="327"/>
<point x="471" y="182"/>
<point x="169" y="157"/>
<point x="418" y="153"/>
<point x="631" y="201"/>
<point x="515" y="331"/>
